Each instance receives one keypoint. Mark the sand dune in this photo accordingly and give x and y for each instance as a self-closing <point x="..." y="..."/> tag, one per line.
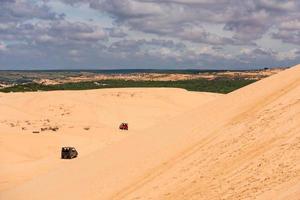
<point x="88" y="120"/>
<point x="243" y="145"/>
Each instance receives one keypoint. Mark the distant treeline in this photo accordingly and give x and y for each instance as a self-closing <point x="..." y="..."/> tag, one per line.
<point x="219" y="85"/>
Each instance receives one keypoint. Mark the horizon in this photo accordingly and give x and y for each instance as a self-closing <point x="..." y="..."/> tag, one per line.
<point x="138" y="34"/>
<point x="139" y="69"/>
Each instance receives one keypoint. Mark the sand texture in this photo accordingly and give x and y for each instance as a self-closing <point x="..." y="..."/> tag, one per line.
<point x="180" y="145"/>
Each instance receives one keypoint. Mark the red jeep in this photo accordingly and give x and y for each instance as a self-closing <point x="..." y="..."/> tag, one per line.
<point x="123" y="126"/>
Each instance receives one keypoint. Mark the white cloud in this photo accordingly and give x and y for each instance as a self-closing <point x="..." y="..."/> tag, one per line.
<point x="289" y="55"/>
<point x="3" y="47"/>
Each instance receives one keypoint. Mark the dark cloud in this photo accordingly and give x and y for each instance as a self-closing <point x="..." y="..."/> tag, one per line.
<point x="289" y="32"/>
<point x="143" y="45"/>
<point x="20" y="10"/>
<point x="247" y="20"/>
<point x="58" y="32"/>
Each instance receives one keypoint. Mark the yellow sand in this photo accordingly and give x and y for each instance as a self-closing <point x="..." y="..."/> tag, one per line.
<point x="181" y="145"/>
<point x="88" y="120"/>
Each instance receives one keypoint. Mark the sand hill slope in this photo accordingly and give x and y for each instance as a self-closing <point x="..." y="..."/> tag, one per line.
<point x="243" y="145"/>
<point x="88" y="120"/>
<point x="254" y="155"/>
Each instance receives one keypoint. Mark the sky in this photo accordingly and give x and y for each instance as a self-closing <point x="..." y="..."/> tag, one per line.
<point x="144" y="34"/>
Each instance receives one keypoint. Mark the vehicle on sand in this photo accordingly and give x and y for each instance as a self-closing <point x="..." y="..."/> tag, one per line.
<point x="68" y="153"/>
<point x="124" y="126"/>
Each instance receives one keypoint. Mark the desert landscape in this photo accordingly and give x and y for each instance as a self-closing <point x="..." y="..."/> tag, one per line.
<point x="52" y="77"/>
<point x="180" y="144"/>
<point x="216" y="81"/>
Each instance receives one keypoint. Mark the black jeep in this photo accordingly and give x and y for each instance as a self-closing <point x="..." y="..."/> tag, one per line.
<point x="68" y="153"/>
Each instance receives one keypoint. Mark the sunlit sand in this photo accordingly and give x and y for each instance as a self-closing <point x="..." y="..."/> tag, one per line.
<point x="180" y="144"/>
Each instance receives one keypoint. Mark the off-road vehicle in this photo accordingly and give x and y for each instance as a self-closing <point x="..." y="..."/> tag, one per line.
<point x="68" y="153"/>
<point x="123" y="126"/>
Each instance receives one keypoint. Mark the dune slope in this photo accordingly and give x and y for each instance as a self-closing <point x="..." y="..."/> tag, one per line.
<point x="239" y="146"/>
<point x="88" y="120"/>
<point x="256" y="155"/>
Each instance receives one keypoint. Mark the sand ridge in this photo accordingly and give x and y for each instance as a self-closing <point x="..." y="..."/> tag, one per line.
<point x="242" y="145"/>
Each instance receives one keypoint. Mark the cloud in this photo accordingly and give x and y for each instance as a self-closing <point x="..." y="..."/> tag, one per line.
<point x="289" y="32"/>
<point x="247" y="20"/>
<point x="278" y="5"/>
<point x="2" y="47"/>
<point x="288" y="55"/>
<point x="198" y="34"/>
<point x="117" y="32"/>
<point x="265" y="56"/>
<point x="55" y="32"/>
<point x="149" y="33"/>
<point x="21" y="10"/>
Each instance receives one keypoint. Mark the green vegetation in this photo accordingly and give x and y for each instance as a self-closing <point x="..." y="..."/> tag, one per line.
<point x="219" y="85"/>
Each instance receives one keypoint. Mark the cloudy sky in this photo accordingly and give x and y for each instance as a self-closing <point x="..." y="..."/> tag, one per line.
<point x="107" y="34"/>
